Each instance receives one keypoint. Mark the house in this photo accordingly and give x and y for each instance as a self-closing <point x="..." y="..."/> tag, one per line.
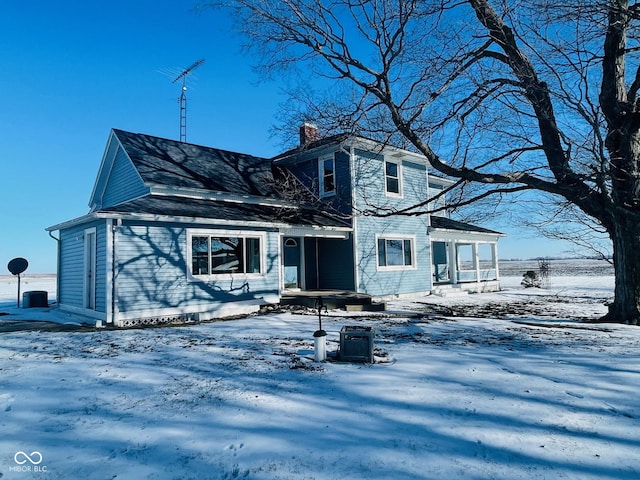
<point x="177" y="231"/>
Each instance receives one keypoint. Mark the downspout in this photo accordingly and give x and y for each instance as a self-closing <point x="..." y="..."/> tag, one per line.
<point x="114" y="267"/>
<point x="58" y="263"/>
<point x="430" y="265"/>
<point x="354" y="220"/>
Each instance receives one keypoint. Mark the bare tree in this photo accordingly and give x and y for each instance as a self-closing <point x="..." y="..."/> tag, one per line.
<point x="511" y="95"/>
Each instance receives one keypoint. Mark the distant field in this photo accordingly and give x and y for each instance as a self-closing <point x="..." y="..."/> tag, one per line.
<point x="564" y="268"/>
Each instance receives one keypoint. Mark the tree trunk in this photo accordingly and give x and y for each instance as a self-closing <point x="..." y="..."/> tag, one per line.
<point x="626" y="259"/>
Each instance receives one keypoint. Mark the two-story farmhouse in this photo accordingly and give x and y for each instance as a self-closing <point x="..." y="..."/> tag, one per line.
<point x="180" y="231"/>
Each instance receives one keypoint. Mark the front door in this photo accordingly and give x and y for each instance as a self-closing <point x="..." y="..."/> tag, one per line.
<point x="292" y="254"/>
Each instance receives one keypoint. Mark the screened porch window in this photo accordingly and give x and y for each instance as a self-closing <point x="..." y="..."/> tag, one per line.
<point x="395" y="252"/>
<point x="215" y="255"/>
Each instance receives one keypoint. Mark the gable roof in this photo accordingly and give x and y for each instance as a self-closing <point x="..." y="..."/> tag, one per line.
<point x="165" y="162"/>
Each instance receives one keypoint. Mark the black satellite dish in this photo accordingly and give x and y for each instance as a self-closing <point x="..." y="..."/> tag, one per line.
<point x="16" y="267"/>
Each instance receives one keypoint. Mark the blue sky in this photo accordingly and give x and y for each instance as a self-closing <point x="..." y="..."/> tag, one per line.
<point x="72" y="70"/>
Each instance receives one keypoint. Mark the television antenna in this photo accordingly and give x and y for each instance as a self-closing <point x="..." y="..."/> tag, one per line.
<point x="183" y="97"/>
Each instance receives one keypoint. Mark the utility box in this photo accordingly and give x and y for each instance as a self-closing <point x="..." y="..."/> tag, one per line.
<point x="35" y="299"/>
<point x="356" y="344"/>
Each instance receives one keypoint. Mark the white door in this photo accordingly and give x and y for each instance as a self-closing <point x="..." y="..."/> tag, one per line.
<point x="90" y="269"/>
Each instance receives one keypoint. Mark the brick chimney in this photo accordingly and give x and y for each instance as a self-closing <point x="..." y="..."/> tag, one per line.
<point x="308" y="133"/>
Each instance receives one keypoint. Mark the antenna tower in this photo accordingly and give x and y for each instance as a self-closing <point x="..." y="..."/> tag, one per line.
<point x="183" y="98"/>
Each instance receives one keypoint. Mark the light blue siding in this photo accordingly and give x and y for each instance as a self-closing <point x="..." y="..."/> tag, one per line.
<point x="370" y="182"/>
<point x="371" y="196"/>
<point x="123" y="183"/>
<point x="152" y="272"/>
<point x="376" y="280"/>
<point x="72" y="265"/>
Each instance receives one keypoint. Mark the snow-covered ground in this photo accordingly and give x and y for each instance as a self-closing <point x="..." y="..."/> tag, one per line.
<point x="525" y="392"/>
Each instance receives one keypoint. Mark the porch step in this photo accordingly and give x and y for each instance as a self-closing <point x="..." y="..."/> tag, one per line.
<point x="447" y="292"/>
<point x="371" y="307"/>
<point x="332" y="299"/>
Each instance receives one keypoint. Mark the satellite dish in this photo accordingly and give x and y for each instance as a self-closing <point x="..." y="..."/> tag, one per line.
<point x="17" y="265"/>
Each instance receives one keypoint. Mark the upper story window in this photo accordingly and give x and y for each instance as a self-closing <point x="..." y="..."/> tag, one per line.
<point x="225" y="253"/>
<point x="435" y="193"/>
<point x="327" y="176"/>
<point x="392" y="178"/>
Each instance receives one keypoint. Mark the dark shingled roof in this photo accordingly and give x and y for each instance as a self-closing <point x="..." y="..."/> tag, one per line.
<point x="161" y="161"/>
<point x="448" y="224"/>
<point x="331" y="140"/>
<point x="220" y="210"/>
<point x="340" y="137"/>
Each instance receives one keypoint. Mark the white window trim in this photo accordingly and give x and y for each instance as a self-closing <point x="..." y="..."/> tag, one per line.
<point x="196" y="232"/>
<point x="321" y="161"/>
<point x="391" y="236"/>
<point x="86" y="288"/>
<point x="387" y="193"/>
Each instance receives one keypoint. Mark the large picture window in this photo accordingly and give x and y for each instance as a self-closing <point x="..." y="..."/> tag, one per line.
<point x="214" y="254"/>
<point x="395" y="252"/>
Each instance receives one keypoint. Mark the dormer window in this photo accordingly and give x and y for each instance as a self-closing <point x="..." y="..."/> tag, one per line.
<point x="392" y="178"/>
<point x="327" y="175"/>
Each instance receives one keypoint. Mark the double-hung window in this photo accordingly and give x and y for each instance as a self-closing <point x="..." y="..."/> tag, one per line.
<point x="396" y="252"/>
<point x="327" y="176"/>
<point x="392" y="178"/>
<point x="220" y="254"/>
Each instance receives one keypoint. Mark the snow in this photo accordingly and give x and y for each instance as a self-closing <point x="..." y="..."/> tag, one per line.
<point x="530" y="392"/>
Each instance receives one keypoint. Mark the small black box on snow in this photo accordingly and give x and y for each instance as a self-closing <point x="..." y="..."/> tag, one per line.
<point x="356" y="344"/>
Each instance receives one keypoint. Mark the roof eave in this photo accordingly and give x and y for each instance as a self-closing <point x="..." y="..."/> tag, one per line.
<point x="148" y="217"/>
<point x="349" y="141"/>
<point x="77" y="221"/>
<point x="466" y="232"/>
<point x="385" y="149"/>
